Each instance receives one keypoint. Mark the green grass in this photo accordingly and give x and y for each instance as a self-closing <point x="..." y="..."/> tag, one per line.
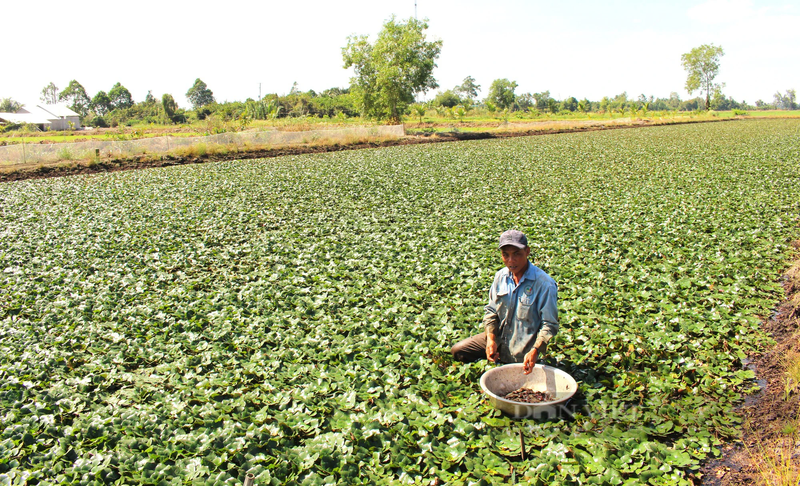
<point x="775" y="113"/>
<point x="551" y="123"/>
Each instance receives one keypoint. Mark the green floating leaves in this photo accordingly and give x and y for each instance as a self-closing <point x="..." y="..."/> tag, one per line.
<point x="292" y="317"/>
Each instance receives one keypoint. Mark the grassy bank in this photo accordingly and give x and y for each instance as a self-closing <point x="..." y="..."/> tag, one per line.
<point x="70" y="160"/>
<point x="432" y="121"/>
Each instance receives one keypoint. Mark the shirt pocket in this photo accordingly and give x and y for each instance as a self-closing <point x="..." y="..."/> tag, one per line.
<point x="526" y="311"/>
<point x="502" y="302"/>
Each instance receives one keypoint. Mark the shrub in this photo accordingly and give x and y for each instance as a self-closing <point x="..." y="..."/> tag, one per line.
<point x="447" y="99"/>
<point x="99" y="122"/>
<point x="203" y="112"/>
<point x="739" y="112"/>
<point x="65" y="154"/>
<point x="10" y="126"/>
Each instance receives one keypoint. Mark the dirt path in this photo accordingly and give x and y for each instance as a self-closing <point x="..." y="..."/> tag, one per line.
<point x="767" y="430"/>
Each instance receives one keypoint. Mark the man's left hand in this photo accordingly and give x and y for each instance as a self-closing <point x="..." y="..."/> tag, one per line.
<point x="530" y="361"/>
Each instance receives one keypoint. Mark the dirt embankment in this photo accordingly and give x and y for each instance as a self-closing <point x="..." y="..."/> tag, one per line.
<point x="769" y="450"/>
<point x="39" y="171"/>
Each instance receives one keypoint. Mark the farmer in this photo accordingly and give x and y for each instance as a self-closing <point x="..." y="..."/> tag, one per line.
<point x="522" y="313"/>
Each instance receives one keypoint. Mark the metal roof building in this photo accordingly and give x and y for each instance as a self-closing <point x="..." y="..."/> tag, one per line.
<point x="47" y="117"/>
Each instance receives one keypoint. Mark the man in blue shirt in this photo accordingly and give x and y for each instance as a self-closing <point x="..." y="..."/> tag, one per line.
<point x="522" y="313"/>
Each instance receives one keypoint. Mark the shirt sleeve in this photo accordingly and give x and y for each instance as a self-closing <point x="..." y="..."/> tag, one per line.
<point x="549" y="311"/>
<point x="491" y="322"/>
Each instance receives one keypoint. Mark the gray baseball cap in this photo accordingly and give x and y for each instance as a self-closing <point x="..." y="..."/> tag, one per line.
<point x="513" y="238"/>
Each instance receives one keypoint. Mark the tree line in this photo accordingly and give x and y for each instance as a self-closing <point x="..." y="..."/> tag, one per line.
<point x="117" y="106"/>
<point x="389" y="77"/>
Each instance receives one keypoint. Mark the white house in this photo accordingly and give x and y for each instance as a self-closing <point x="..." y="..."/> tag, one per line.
<point x="47" y="117"/>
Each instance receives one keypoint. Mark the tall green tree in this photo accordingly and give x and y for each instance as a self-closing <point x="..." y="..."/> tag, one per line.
<point x="101" y="103"/>
<point x="674" y="101"/>
<point x="468" y="89"/>
<point x="120" y="97"/>
<point x="199" y="94"/>
<point x="7" y="105"/>
<point x="620" y="102"/>
<point x="391" y="72"/>
<point x="787" y="101"/>
<point x="501" y="93"/>
<point x="447" y="98"/>
<point x="525" y="101"/>
<point x="569" y="104"/>
<point x="169" y="105"/>
<point x="542" y="100"/>
<point x="76" y="98"/>
<point x="553" y="105"/>
<point x="49" y="94"/>
<point x="702" y="67"/>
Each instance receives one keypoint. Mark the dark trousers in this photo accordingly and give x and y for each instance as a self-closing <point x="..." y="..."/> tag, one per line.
<point x="474" y="349"/>
<point x="471" y="349"/>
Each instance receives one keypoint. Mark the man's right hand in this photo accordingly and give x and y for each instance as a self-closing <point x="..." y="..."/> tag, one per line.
<point x="492" y="350"/>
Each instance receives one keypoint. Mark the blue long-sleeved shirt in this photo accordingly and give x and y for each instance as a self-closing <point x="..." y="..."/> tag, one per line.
<point x="522" y="316"/>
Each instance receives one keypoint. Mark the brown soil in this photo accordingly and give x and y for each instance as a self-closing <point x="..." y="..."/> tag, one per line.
<point x="141" y="162"/>
<point x="766" y="414"/>
<point x="526" y="395"/>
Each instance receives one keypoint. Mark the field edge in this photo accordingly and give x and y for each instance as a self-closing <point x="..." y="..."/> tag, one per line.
<point x="769" y="450"/>
<point x="75" y="167"/>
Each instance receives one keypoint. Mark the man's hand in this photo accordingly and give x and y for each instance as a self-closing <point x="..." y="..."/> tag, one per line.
<point x="492" y="349"/>
<point x="530" y="360"/>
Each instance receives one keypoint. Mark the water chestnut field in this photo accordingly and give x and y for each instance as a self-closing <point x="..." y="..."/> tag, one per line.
<point x="292" y="317"/>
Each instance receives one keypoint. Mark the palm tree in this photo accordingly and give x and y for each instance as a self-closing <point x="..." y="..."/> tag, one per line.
<point x="461" y="112"/>
<point x="419" y="110"/>
<point x="7" y="105"/>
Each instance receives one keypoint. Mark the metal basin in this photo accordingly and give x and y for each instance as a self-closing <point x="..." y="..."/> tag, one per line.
<point x="507" y="378"/>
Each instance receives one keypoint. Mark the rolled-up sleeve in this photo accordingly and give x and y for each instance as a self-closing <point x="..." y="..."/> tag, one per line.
<point x="548" y="310"/>
<point x="491" y="323"/>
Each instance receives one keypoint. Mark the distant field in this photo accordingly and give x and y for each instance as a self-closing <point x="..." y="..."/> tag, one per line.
<point x="292" y="317"/>
<point x="188" y="130"/>
<point x="120" y="146"/>
<point x="475" y="121"/>
<point x="775" y="114"/>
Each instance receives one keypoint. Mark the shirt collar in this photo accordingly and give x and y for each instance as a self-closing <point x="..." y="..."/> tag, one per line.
<point x="530" y="274"/>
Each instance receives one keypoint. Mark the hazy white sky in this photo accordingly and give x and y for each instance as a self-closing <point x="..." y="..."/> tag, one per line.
<point x="575" y="48"/>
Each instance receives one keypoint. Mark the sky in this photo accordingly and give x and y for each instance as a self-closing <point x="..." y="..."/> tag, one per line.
<point x="581" y="48"/>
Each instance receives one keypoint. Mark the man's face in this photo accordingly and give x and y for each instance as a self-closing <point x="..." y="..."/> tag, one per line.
<point x="515" y="258"/>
